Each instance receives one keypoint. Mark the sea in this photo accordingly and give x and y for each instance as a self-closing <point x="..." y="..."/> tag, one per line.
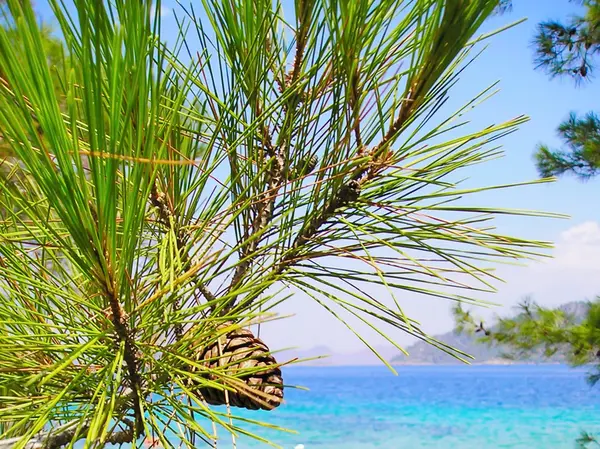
<point x="433" y="407"/>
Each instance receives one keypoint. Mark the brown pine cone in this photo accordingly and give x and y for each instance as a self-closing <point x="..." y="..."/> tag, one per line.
<point x="247" y="358"/>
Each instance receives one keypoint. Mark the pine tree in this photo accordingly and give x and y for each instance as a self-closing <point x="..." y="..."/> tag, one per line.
<point x="570" y="49"/>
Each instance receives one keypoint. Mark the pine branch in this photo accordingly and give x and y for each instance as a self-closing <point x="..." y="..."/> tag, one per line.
<point x="64" y="434"/>
<point x="263" y="215"/>
<point x="380" y="156"/>
<point x="277" y="160"/>
<point x="349" y="192"/>
<point x="161" y="202"/>
<point x="539" y="331"/>
<point x="567" y="49"/>
<point x="582" y="153"/>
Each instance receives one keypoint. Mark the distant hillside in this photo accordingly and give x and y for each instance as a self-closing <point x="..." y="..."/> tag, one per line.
<point x="423" y="353"/>
<point x="420" y="353"/>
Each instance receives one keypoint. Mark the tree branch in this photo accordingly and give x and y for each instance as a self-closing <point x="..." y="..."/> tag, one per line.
<point x="350" y="191"/>
<point x="261" y="220"/>
<point x="277" y="159"/>
<point x="62" y="435"/>
<point x="130" y="355"/>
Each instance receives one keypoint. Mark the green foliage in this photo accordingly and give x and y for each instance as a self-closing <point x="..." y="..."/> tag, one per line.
<point x="582" y="156"/>
<point x="54" y="51"/>
<point x="570" y="48"/>
<point x="567" y="48"/>
<point x="172" y="197"/>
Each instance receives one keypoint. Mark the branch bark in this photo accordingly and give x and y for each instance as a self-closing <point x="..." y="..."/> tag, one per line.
<point x="57" y="438"/>
<point x="62" y="435"/>
<point x="261" y="220"/>
<point x="130" y="355"/>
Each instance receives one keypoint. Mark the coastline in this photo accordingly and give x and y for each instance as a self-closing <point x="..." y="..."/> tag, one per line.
<point x="492" y="362"/>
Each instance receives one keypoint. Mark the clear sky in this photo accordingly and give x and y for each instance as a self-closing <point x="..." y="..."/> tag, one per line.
<point x="574" y="273"/>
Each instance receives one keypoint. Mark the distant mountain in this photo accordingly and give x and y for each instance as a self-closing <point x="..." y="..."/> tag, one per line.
<point x="424" y="353"/>
<point x="420" y="353"/>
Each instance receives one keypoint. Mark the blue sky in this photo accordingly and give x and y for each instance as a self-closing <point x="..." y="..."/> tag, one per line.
<point x="574" y="273"/>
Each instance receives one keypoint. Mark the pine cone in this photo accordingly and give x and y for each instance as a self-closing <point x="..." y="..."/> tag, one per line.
<point x="307" y="165"/>
<point x="241" y="354"/>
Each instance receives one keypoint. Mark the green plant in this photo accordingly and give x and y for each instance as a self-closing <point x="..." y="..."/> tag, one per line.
<point x="570" y="49"/>
<point x="542" y="331"/>
<point x="171" y="204"/>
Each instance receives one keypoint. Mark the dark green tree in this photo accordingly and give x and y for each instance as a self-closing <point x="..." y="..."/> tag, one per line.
<point x="570" y="48"/>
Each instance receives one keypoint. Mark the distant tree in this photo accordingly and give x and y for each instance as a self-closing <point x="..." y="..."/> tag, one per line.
<point x="570" y="48"/>
<point x="54" y="51"/>
<point x="536" y="330"/>
<point x="551" y="330"/>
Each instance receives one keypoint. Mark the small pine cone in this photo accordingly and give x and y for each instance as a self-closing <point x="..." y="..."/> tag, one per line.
<point x="241" y="353"/>
<point x="306" y="165"/>
<point x="311" y="163"/>
<point x="350" y="192"/>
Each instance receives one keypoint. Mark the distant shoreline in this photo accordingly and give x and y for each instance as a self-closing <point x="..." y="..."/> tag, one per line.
<point x="486" y="363"/>
<point x="397" y="364"/>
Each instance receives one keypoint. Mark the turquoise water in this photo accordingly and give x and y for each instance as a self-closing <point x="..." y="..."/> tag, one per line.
<point x="464" y="407"/>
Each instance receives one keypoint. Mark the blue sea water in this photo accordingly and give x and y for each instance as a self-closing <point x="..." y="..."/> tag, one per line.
<point x="434" y="407"/>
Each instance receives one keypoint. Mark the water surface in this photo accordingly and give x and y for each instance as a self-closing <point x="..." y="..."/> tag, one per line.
<point x="462" y="407"/>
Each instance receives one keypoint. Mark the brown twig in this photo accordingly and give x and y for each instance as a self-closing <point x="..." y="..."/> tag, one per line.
<point x="263" y="216"/>
<point x="130" y="354"/>
<point x="161" y="202"/>
<point x="349" y="192"/>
